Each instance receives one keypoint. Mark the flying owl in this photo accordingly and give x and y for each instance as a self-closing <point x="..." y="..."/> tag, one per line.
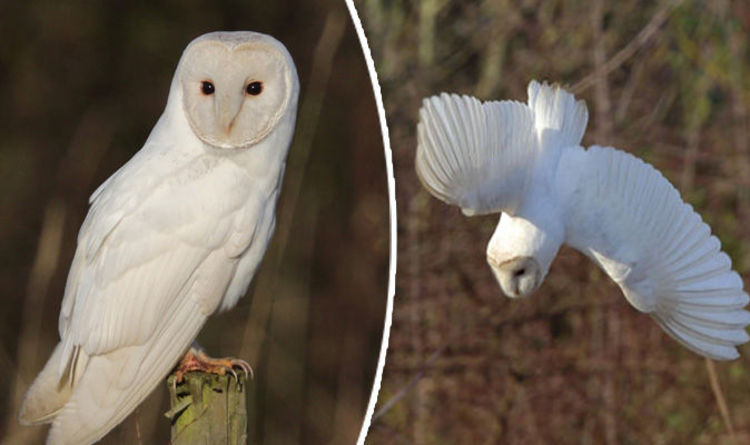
<point x="173" y="236"/>
<point x="525" y="162"/>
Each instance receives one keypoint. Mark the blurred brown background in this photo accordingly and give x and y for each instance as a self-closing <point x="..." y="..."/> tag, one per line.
<point x="82" y="84"/>
<point x="574" y="363"/>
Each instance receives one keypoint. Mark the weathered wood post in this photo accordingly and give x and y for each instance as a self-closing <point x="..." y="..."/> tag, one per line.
<point x="208" y="409"/>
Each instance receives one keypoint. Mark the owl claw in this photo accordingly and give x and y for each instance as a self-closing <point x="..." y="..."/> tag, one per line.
<point x="197" y="360"/>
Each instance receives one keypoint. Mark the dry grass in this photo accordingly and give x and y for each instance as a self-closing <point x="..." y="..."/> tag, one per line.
<point x="667" y="81"/>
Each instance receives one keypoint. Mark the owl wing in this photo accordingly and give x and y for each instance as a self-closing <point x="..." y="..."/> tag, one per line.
<point x="146" y="235"/>
<point x="156" y="255"/>
<point x="623" y="214"/>
<point x="473" y="155"/>
<point x="481" y="156"/>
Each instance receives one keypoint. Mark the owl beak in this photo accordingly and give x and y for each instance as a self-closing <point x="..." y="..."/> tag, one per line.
<point x="227" y="108"/>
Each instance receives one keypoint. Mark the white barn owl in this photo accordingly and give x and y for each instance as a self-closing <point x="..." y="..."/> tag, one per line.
<point x="525" y="162"/>
<point x="173" y="236"/>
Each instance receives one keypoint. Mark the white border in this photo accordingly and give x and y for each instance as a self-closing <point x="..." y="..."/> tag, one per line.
<point x="392" y="207"/>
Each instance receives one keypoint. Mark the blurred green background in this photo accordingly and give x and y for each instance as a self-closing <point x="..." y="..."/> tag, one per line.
<point x="574" y="363"/>
<point x="82" y="83"/>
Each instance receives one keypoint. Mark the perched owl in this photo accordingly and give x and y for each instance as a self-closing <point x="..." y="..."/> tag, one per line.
<point x="525" y="162"/>
<point x="173" y="236"/>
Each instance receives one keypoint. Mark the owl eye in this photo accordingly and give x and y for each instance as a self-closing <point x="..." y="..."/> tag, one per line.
<point x="254" y="88"/>
<point x="207" y="88"/>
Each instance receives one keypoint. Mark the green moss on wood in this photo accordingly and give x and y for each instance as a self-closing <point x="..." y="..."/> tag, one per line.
<point x="208" y="409"/>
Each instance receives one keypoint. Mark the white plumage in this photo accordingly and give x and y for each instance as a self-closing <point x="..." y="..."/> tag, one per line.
<point x="525" y="161"/>
<point x="172" y="237"/>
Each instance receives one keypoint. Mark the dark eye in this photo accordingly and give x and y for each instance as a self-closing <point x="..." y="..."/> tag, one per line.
<point x="207" y="88"/>
<point x="254" y="88"/>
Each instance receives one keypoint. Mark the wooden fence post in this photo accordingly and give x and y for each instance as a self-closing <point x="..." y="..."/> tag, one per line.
<point x="208" y="409"/>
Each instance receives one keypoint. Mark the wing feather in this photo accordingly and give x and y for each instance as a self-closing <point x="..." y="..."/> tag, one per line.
<point x="474" y="155"/>
<point x="481" y="156"/>
<point x="122" y="282"/>
<point x="626" y="216"/>
<point x="115" y="383"/>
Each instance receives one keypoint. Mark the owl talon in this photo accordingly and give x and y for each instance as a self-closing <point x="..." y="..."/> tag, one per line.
<point x="197" y="360"/>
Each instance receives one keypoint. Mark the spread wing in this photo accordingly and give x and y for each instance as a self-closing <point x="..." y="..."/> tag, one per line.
<point x="629" y="219"/>
<point x="146" y="234"/>
<point x="481" y="156"/>
<point x="473" y="155"/>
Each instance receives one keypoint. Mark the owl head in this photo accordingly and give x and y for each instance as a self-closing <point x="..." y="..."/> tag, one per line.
<point x="235" y="87"/>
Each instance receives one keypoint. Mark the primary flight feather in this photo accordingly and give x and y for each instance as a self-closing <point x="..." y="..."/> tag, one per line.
<point x="525" y="162"/>
<point x="172" y="237"/>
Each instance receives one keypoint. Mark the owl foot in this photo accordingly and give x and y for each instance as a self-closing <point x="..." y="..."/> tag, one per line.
<point x="197" y="360"/>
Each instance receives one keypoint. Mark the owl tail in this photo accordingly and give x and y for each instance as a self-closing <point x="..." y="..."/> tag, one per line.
<point x="114" y="384"/>
<point x="559" y="119"/>
<point x="109" y="386"/>
<point x="49" y="392"/>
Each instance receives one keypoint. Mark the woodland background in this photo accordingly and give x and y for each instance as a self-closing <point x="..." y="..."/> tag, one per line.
<point x="82" y="83"/>
<point x="574" y="363"/>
